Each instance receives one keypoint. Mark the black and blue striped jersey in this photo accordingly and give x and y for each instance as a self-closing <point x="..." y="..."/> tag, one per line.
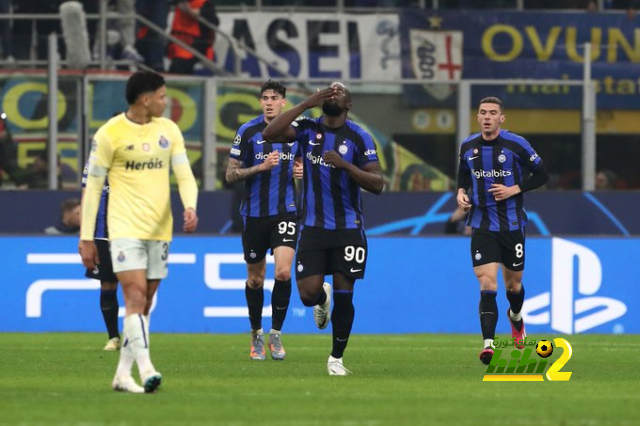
<point x="331" y="198"/>
<point x="268" y="193"/>
<point x="506" y="160"/>
<point x="102" y="231"/>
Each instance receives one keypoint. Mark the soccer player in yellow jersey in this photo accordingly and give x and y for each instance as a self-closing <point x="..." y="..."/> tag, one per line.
<point x="134" y="150"/>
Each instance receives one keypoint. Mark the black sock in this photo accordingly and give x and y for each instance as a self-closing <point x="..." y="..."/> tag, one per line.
<point x="515" y="303"/>
<point x="280" y="303"/>
<point x="342" y="318"/>
<point x="488" y="313"/>
<point x="255" y="302"/>
<point x="322" y="297"/>
<point x="516" y="300"/>
<point x="109" y="306"/>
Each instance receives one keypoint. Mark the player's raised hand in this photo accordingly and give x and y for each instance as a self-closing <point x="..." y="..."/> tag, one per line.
<point x="89" y="254"/>
<point x="320" y="97"/>
<point x="272" y="160"/>
<point x="501" y="192"/>
<point x="190" y="220"/>
<point x="298" y="169"/>
<point x="334" y="159"/>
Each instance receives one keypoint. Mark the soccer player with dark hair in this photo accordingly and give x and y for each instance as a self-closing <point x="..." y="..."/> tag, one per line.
<point x="269" y="216"/>
<point x="339" y="158"/>
<point x="104" y="271"/>
<point x="497" y="167"/>
<point x="134" y="151"/>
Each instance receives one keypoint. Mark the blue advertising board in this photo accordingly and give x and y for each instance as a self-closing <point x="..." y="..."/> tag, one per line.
<point x="390" y="213"/>
<point x="412" y="285"/>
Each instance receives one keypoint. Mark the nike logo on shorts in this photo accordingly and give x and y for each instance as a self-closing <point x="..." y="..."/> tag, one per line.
<point x="353" y="271"/>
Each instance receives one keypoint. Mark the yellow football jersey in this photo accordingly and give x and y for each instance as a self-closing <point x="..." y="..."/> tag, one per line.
<point x="137" y="158"/>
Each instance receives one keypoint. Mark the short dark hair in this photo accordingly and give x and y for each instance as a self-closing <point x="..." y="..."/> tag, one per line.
<point x="143" y="82"/>
<point x="68" y="205"/>
<point x="491" y="100"/>
<point x="276" y="86"/>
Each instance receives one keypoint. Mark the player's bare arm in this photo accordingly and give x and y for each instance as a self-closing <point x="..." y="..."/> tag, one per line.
<point x="369" y="177"/>
<point x="280" y="128"/>
<point x="236" y="171"/>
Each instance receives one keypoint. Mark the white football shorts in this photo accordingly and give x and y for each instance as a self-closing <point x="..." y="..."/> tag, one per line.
<point x="130" y="254"/>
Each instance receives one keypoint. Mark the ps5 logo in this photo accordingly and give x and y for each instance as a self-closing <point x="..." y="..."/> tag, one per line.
<point x="215" y="281"/>
<point x="35" y="292"/>
<point x="567" y="306"/>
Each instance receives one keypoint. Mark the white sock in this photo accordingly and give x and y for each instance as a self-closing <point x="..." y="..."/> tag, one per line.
<point x="488" y="343"/>
<point x="136" y="331"/>
<point x="332" y="359"/>
<point x="148" y="318"/>
<point x="125" y="363"/>
<point x="514" y="316"/>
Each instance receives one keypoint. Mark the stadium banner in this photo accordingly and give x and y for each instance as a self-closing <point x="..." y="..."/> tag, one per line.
<point x="391" y="213"/>
<point x="412" y="285"/>
<point x="319" y="45"/>
<point x="24" y="100"/>
<point x="445" y="46"/>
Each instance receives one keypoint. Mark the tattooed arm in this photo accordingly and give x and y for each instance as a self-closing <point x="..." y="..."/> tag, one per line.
<point x="236" y="172"/>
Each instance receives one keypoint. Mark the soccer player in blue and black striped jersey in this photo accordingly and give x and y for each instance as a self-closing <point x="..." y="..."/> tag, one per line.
<point x="339" y="158"/>
<point x="104" y="271"/>
<point x="269" y="214"/>
<point x="497" y="167"/>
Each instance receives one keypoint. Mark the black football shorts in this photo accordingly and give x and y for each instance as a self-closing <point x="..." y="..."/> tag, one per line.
<point x="506" y="247"/>
<point x="325" y="251"/>
<point x="263" y="233"/>
<point x="104" y="271"/>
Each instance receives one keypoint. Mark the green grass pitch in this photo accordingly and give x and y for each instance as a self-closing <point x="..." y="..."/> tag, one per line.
<point x="64" y="378"/>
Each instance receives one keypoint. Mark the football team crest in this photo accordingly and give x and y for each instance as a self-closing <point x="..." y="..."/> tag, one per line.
<point x="436" y="55"/>
<point x="163" y="142"/>
<point x="343" y="149"/>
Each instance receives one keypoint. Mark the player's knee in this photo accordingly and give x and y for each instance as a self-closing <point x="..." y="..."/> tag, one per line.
<point x="108" y="286"/>
<point x="307" y="297"/>
<point x="137" y="303"/>
<point x="282" y="273"/>
<point x="487" y="283"/>
<point x="513" y="285"/>
<point x="255" y="281"/>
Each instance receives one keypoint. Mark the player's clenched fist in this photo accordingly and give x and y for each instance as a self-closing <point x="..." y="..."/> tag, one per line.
<point x="272" y="160"/>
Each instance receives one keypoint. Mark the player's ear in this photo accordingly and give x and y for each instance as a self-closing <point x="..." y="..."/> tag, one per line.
<point x="502" y="118"/>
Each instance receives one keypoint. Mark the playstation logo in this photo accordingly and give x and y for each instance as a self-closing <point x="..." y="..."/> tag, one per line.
<point x="570" y="311"/>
